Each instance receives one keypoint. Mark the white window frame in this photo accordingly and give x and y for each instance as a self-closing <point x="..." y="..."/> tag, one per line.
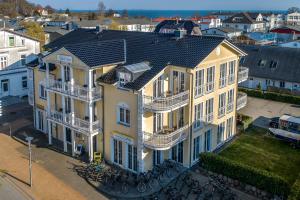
<point x="123" y="78"/>
<point x="42" y="95"/>
<point x="23" y="59"/>
<point x="210" y="79"/>
<point x="222" y="105"/>
<point x="24" y="79"/>
<point x="123" y="119"/>
<point x="221" y="133"/>
<point x="231" y="72"/>
<point x="199" y="83"/>
<point x="230" y="100"/>
<point x="132" y="161"/>
<point x="197" y="147"/>
<point x="223" y="75"/>
<point x="3" y="62"/>
<point x="229" y="128"/>
<point x="198" y="115"/>
<point x="209" y="110"/>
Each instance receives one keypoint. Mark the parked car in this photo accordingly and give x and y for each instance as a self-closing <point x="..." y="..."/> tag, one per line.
<point x="274" y="122"/>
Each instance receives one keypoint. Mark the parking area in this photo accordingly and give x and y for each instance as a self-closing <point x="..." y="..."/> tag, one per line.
<point x="262" y="110"/>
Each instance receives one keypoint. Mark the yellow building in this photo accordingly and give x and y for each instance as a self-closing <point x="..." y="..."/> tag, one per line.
<point x="138" y="98"/>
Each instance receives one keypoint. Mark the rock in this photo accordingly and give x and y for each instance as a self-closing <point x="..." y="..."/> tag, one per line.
<point x="236" y="182"/>
<point x="253" y="189"/>
<point x="263" y="193"/>
<point x="197" y="171"/>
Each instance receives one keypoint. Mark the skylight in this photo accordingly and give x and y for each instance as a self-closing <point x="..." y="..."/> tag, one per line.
<point x="273" y="64"/>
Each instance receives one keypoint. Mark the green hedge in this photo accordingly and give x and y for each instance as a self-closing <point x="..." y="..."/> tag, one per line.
<point x="272" y="96"/>
<point x="295" y="190"/>
<point x="245" y="122"/>
<point x="261" y="179"/>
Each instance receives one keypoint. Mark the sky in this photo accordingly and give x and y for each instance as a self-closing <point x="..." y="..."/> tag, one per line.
<point x="173" y="4"/>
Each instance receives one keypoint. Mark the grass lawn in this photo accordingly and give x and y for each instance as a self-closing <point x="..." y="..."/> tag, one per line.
<point x="259" y="150"/>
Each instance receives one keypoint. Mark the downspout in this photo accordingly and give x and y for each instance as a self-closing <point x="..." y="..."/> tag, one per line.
<point x="191" y="116"/>
<point x="103" y="135"/>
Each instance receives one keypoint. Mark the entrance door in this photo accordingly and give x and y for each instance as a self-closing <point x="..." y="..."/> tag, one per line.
<point x="5" y="87"/>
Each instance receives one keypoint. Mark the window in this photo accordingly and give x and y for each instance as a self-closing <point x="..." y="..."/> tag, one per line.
<point x="40" y="121"/>
<point x="42" y="91"/>
<point x="223" y="75"/>
<point x="24" y="82"/>
<point x="3" y="62"/>
<point x="282" y="84"/>
<point x="268" y="82"/>
<point x="209" y="110"/>
<point x="198" y="115"/>
<point x="23" y="60"/>
<point x="207" y="141"/>
<point x="197" y="147"/>
<point x="23" y="42"/>
<point x="132" y="157"/>
<point x="124" y="115"/>
<point x="157" y="122"/>
<point x="199" y="91"/>
<point x="11" y="41"/>
<point x="242" y="60"/>
<point x="262" y="63"/>
<point x="158" y="87"/>
<point x="210" y="79"/>
<point x="177" y="153"/>
<point x="230" y="100"/>
<point x="222" y="104"/>
<point x="229" y="127"/>
<point x="273" y="64"/>
<point x="67" y="105"/>
<point x="117" y="151"/>
<point x="68" y="135"/>
<point x="67" y="74"/>
<point x="157" y="157"/>
<point x="231" y="72"/>
<point x="123" y="78"/>
<point x="221" y="131"/>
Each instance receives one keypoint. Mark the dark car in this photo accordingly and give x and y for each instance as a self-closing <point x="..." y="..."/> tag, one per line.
<point x="274" y="122"/>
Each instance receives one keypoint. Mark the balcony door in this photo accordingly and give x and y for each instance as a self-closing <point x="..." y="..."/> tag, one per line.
<point x="157" y="122"/>
<point x="177" y="153"/>
<point x="158" y="87"/>
<point x="176" y="118"/>
<point x="178" y="80"/>
<point x="67" y="74"/>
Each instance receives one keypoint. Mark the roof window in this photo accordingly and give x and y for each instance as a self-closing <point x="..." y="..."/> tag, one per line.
<point x="262" y="63"/>
<point x="273" y="64"/>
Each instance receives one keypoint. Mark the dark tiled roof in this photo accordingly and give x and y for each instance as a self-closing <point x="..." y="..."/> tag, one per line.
<point x="96" y="53"/>
<point x="287" y="59"/>
<point x="157" y="49"/>
<point x="244" y="18"/>
<point x="187" y="25"/>
<point x="33" y="63"/>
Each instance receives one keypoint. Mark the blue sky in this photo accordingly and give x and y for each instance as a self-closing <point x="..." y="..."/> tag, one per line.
<point x="174" y="4"/>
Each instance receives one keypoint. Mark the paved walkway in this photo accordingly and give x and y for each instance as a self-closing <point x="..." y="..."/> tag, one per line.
<point x="262" y="110"/>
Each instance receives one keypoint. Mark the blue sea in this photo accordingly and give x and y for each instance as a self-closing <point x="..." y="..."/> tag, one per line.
<point x="178" y="13"/>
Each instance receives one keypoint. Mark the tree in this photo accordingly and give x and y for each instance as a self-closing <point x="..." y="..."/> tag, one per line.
<point x="67" y="11"/>
<point x="101" y="8"/>
<point x="114" y="26"/>
<point x="50" y="9"/>
<point x="110" y="13"/>
<point x="125" y="13"/>
<point x="34" y="30"/>
<point x="92" y="16"/>
<point x="293" y="10"/>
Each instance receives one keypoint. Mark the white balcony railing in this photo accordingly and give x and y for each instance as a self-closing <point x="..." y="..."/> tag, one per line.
<point x="210" y="87"/>
<point x="243" y="74"/>
<point x="74" y="90"/>
<point x="74" y="122"/>
<point x="222" y="111"/>
<point x="165" y="139"/>
<point x="165" y="104"/>
<point x="209" y="118"/>
<point x="241" y="100"/>
<point x="199" y="91"/>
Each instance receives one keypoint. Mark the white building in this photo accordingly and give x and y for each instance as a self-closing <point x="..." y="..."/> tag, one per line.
<point x="15" y="51"/>
<point x="208" y="22"/>
<point x="247" y="22"/>
<point x="293" y="18"/>
<point x="229" y="33"/>
<point x="291" y="44"/>
<point x="272" y="67"/>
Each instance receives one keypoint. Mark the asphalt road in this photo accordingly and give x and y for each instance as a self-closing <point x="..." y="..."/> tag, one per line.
<point x="262" y="110"/>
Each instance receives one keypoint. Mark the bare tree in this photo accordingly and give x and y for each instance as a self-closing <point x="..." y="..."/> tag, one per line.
<point x="101" y="8"/>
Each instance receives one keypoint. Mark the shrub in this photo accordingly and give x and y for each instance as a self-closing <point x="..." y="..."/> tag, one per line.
<point x="244" y="121"/>
<point x="259" y="178"/>
<point x="295" y="190"/>
<point x="272" y="96"/>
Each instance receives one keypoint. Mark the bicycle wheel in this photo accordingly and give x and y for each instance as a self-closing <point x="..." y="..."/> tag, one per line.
<point x="141" y="188"/>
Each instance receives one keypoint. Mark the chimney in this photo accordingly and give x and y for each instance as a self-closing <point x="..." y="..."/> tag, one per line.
<point x="98" y="29"/>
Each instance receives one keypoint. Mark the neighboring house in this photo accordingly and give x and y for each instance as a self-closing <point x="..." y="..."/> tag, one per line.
<point x="222" y="15"/>
<point x="273" y="20"/>
<point x="228" y="33"/>
<point x="207" y="22"/>
<point x="170" y="26"/>
<point x="16" y="50"/>
<point x="293" y="18"/>
<point x="89" y="24"/>
<point x="132" y="24"/>
<point x="59" y="23"/>
<point x="53" y="32"/>
<point x="292" y="44"/>
<point x="245" y="21"/>
<point x="138" y="98"/>
<point x="271" y="66"/>
<point x="287" y="33"/>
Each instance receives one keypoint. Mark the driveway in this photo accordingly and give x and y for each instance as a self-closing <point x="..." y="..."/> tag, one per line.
<point x="262" y="110"/>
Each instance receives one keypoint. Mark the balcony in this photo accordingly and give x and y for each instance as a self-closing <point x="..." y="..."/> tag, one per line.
<point x="75" y="123"/>
<point x="165" y="139"/>
<point x="166" y="104"/>
<point x="243" y="74"/>
<point x="75" y="91"/>
<point x="222" y="111"/>
<point x="230" y="107"/>
<point x="241" y="100"/>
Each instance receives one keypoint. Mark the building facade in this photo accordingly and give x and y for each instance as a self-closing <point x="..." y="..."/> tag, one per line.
<point x="293" y="18"/>
<point x="142" y="98"/>
<point x="15" y="51"/>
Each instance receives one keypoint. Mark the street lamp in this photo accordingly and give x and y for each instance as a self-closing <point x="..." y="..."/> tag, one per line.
<point x="8" y="124"/>
<point x="29" y="139"/>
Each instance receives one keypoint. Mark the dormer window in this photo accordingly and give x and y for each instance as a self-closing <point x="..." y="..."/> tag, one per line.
<point x="273" y="64"/>
<point x="124" y="78"/>
<point x="262" y="63"/>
